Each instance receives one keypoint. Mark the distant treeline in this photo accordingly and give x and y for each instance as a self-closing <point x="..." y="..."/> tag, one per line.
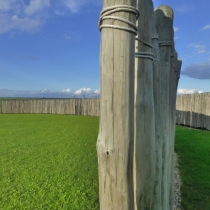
<point x="89" y="107"/>
<point x="193" y="110"/>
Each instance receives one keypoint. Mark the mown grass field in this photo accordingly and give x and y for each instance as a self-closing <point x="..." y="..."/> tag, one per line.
<point x="48" y="162"/>
<point x="193" y="149"/>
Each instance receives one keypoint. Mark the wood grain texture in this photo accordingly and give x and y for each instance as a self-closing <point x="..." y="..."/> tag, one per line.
<point x="164" y="27"/>
<point x="144" y="153"/>
<point x="175" y="74"/>
<point x="157" y="84"/>
<point x="115" y="140"/>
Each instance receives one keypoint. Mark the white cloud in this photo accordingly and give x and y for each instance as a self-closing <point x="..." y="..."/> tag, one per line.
<point x="5" y="5"/>
<point x="188" y="91"/>
<point x="82" y="91"/>
<point x="68" y="90"/>
<point x="97" y="91"/>
<point x="206" y="27"/>
<point x="199" y="48"/>
<point x="75" y="5"/>
<point x="31" y="16"/>
<point x="87" y="92"/>
<point x="176" y="29"/>
<point x="46" y="90"/>
<point x="47" y="93"/>
<point x="8" y="23"/>
<point x="36" y="6"/>
<point x="59" y="12"/>
<point x="15" y="15"/>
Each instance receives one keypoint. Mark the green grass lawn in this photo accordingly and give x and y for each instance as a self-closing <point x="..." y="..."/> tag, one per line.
<point x="193" y="149"/>
<point x="48" y="162"/>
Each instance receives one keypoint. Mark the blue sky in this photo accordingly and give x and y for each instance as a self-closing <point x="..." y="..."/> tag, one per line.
<point x="50" y="48"/>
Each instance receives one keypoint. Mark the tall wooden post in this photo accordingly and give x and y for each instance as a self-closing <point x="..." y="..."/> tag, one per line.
<point x="144" y="152"/>
<point x="115" y="140"/>
<point x="164" y="25"/>
<point x="175" y="74"/>
<point x="157" y="84"/>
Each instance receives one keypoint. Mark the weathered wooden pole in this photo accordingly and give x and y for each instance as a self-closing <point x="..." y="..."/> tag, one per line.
<point x="157" y="86"/>
<point x="164" y="26"/>
<point x="172" y="114"/>
<point x="115" y="140"/>
<point x="144" y="153"/>
<point x="175" y="75"/>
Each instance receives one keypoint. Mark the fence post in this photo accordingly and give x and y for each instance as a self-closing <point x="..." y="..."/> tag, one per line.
<point x="164" y="25"/>
<point x="115" y="140"/>
<point x="157" y="84"/>
<point x="144" y="120"/>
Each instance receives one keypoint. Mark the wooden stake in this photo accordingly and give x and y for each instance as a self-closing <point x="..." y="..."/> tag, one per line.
<point x="115" y="140"/>
<point x="164" y="24"/>
<point x="144" y="159"/>
<point x="157" y="84"/>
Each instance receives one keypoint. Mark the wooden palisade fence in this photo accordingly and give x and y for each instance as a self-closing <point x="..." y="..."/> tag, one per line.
<point x="193" y="110"/>
<point x="137" y="117"/>
<point x="139" y="77"/>
<point x="89" y="107"/>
